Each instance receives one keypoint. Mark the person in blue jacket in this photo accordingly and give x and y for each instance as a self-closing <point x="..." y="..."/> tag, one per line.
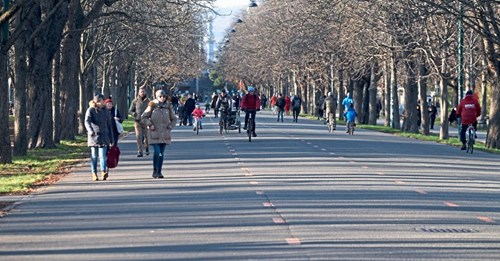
<point x="347" y="101"/>
<point x="350" y="115"/>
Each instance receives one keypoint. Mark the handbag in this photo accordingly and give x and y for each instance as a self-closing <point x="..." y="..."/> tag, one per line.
<point x="113" y="157"/>
<point x="119" y="126"/>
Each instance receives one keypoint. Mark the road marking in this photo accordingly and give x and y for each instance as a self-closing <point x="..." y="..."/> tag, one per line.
<point x="315" y="146"/>
<point x="352" y="161"/>
<point x="268" y="204"/>
<point x="364" y="167"/>
<point x="400" y="182"/>
<point x="332" y="153"/>
<point x="308" y="143"/>
<point x="259" y="192"/>
<point x="381" y="173"/>
<point x="421" y="191"/>
<point x="293" y="241"/>
<point x="323" y="149"/>
<point x="487" y="219"/>
<point x="254" y="183"/>
<point x="450" y="204"/>
<point x="279" y="220"/>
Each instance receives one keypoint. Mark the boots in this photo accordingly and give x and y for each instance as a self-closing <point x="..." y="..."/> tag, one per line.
<point x="94" y="176"/>
<point x="155" y="173"/>
<point x="104" y="175"/>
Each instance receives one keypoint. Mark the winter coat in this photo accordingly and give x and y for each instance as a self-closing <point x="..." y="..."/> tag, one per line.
<point x="138" y="106"/>
<point x="99" y="125"/>
<point x="189" y="106"/>
<point x="162" y="117"/>
<point x="224" y="103"/>
<point x="351" y="114"/>
<point x="287" y="103"/>
<point x="468" y="109"/>
<point x="198" y="113"/>
<point x="280" y="103"/>
<point x="250" y="102"/>
<point x="296" y="102"/>
<point x="330" y="105"/>
<point x="347" y="101"/>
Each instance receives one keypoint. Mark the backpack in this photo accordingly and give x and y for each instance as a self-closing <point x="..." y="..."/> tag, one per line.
<point x="113" y="157"/>
<point x="296" y="103"/>
<point x="453" y="116"/>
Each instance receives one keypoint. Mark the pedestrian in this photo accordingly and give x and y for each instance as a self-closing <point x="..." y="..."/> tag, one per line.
<point x="98" y="123"/>
<point x="116" y="116"/>
<point x="250" y="104"/>
<point x="263" y="101"/>
<point x="296" y="103"/>
<point x="280" y="106"/>
<point x="160" y="119"/>
<point x="432" y="114"/>
<point x="331" y="109"/>
<point x="215" y="97"/>
<point x="320" y="107"/>
<point x="175" y="103"/>
<point x="288" y="103"/>
<point x="136" y="109"/>
<point x="274" y="99"/>
<point x="189" y="107"/>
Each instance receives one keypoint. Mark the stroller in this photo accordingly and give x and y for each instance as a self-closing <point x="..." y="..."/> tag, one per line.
<point x="234" y="120"/>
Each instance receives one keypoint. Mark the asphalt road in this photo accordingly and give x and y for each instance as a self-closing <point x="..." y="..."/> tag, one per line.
<point x="296" y="192"/>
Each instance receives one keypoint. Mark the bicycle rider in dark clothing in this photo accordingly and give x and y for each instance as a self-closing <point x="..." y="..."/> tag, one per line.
<point x="250" y="103"/>
<point x="223" y="106"/>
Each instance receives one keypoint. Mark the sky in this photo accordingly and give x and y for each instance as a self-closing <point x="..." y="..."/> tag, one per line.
<point x="231" y="8"/>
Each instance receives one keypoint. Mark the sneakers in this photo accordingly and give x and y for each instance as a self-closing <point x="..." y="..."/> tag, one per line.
<point x="139" y="154"/>
<point x="244" y="127"/>
<point x="463" y="147"/>
<point x="157" y="174"/>
<point x="104" y="175"/>
<point x="254" y="134"/>
<point x="147" y="151"/>
<point x="95" y="177"/>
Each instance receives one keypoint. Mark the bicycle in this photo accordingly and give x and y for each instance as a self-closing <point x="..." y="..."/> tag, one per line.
<point x="350" y="127"/>
<point x="470" y="136"/>
<point x="197" y="125"/>
<point x="250" y="127"/>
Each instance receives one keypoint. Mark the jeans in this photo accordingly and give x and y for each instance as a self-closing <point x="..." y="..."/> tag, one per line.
<point x="296" y="113"/>
<point x="95" y="152"/>
<point x="159" y="150"/>
<point x="280" y="115"/>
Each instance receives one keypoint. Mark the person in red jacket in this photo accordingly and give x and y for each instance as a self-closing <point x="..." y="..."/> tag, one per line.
<point x="287" y="104"/>
<point x="250" y="103"/>
<point x="468" y="110"/>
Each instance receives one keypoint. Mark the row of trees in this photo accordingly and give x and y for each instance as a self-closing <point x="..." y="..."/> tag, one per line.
<point x="59" y="53"/>
<point x="401" y="49"/>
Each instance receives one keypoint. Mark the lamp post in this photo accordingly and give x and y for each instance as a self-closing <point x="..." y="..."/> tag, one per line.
<point x="460" y="76"/>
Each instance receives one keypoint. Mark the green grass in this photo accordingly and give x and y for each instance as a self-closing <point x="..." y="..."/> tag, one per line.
<point x="40" y="166"/>
<point x="128" y="124"/>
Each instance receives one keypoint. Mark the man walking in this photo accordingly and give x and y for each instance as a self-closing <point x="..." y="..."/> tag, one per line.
<point x="137" y="107"/>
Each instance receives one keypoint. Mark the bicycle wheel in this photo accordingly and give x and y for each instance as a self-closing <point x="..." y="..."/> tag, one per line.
<point x="197" y="127"/>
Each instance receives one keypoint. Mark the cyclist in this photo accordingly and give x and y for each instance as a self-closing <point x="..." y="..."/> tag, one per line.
<point x="347" y="101"/>
<point x="223" y="106"/>
<point x="198" y="114"/>
<point x="250" y="103"/>
<point x="468" y="110"/>
<point x="350" y="116"/>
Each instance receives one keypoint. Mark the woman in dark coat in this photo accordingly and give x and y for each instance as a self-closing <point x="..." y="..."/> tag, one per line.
<point x="98" y="123"/>
<point x="116" y="116"/>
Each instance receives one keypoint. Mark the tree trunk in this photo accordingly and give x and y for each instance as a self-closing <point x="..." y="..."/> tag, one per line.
<point x="357" y="96"/>
<point x="411" y="119"/>
<point x="396" y="123"/>
<point x="342" y="93"/>
<point x="387" y="97"/>
<point x="372" y="90"/>
<point x="444" y="132"/>
<point x="56" y="101"/>
<point x="422" y="83"/>
<point x="20" y="121"/>
<point x="69" y="71"/>
<point x="5" y="145"/>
